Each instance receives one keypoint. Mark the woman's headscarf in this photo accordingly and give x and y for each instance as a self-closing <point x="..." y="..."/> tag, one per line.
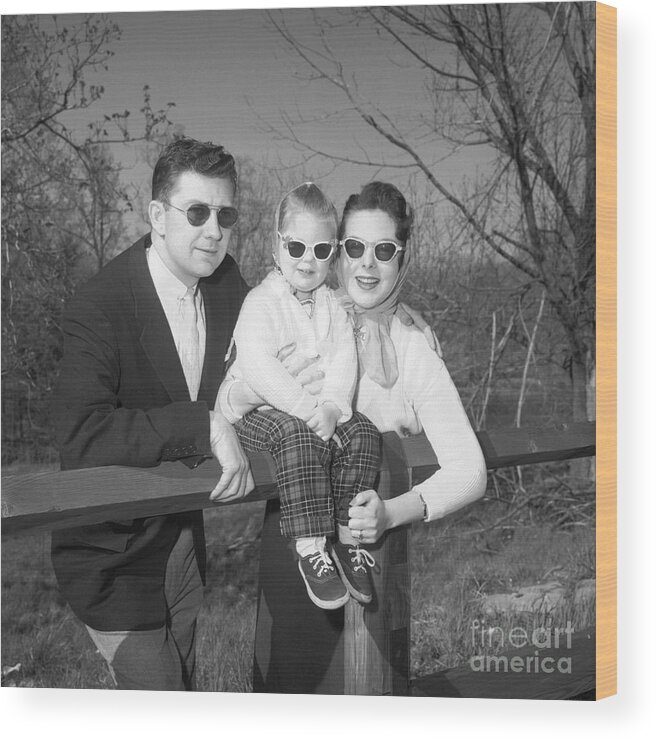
<point x="376" y="352"/>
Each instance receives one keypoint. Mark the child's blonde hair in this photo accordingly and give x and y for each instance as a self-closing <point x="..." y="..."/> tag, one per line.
<point x="305" y="198"/>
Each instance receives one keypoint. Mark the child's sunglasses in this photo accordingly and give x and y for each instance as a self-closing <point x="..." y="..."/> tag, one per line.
<point x="384" y="251"/>
<point x="198" y="213"/>
<point x="296" y="248"/>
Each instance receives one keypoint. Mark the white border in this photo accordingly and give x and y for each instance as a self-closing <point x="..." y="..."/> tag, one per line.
<point x="71" y="714"/>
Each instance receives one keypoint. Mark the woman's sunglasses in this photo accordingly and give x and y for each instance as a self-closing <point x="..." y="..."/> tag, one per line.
<point x="384" y="251"/>
<point x="296" y="248"/>
<point x="198" y="213"/>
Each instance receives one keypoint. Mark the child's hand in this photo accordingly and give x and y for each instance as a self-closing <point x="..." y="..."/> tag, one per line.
<point x="324" y="420"/>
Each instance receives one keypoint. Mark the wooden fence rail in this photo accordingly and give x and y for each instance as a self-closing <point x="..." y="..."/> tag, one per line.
<point x="58" y="499"/>
<point x="373" y="647"/>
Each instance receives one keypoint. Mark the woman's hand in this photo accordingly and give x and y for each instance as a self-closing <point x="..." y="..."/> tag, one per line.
<point x="368" y="520"/>
<point x="409" y="317"/>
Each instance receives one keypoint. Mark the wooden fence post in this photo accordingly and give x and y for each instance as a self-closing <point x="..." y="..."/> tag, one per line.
<point x="377" y="636"/>
<point x="298" y="647"/>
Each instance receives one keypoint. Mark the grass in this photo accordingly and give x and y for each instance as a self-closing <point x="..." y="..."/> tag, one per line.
<point x="40" y="632"/>
<point x="452" y="574"/>
<point x="454" y="565"/>
<point x="226" y="625"/>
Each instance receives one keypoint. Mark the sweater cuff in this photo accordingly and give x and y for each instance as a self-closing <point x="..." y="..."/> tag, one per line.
<point x="223" y="401"/>
<point x="304" y="407"/>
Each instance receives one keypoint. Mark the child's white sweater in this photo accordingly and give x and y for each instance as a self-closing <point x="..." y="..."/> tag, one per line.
<point x="272" y="317"/>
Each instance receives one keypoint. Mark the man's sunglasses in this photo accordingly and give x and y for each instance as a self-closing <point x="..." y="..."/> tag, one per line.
<point x="384" y="251"/>
<point x="198" y="213"/>
<point x="296" y="248"/>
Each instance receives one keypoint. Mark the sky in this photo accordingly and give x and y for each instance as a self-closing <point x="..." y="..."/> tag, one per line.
<point x="233" y="81"/>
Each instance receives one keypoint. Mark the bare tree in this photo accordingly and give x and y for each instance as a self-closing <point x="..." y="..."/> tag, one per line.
<point x="44" y="66"/>
<point x="62" y="199"/>
<point x="259" y="192"/>
<point x="514" y="81"/>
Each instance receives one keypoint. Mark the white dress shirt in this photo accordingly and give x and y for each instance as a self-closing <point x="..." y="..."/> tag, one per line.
<point x="171" y="292"/>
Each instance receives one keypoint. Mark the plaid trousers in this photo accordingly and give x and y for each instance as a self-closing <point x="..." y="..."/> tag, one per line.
<point x="316" y="479"/>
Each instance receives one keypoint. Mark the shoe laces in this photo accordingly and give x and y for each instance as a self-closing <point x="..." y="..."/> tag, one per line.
<point x="361" y="558"/>
<point x="321" y="563"/>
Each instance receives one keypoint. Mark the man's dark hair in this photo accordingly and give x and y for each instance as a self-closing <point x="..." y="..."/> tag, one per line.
<point x="189" y="155"/>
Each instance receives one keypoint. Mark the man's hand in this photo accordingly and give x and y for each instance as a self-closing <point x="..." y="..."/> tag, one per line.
<point x="410" y="317"/>
<point x="324" y="420"/>
<point x="236" y="479"/>
<point x="242" y="398"/>
<point x="304" y="369"/>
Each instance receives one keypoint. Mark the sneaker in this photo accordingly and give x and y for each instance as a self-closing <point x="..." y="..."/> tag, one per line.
<point x="324" y="586"/>
<point x="354" y="563"/>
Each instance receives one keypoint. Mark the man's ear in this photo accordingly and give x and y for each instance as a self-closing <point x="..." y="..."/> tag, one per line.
<point x="156" y="214"/>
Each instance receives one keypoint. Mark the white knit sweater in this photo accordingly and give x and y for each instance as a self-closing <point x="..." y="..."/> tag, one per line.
<point x="272" y="317"/>
<point x="425" y="398"/>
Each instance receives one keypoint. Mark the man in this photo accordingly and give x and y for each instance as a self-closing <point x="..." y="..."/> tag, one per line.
<point x="144" y="347"/>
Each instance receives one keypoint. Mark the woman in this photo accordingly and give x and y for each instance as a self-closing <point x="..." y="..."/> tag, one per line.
<point x="403" y="386"/>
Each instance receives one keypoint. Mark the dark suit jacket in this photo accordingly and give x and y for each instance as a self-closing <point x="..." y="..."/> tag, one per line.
<point x="122" y="399"/>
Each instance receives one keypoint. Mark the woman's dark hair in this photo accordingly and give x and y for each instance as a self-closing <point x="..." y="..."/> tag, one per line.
<point x="381" y="196"/>
<point x="189" y="155"/>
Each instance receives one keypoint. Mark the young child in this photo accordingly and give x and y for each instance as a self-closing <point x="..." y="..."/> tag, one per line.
<point x="324" y="453"/>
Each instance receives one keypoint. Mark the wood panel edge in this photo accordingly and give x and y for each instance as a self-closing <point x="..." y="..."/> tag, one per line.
<point x="606" y="194"/>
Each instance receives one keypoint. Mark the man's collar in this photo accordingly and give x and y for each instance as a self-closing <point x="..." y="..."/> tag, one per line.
<point x="166" y="283"/>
